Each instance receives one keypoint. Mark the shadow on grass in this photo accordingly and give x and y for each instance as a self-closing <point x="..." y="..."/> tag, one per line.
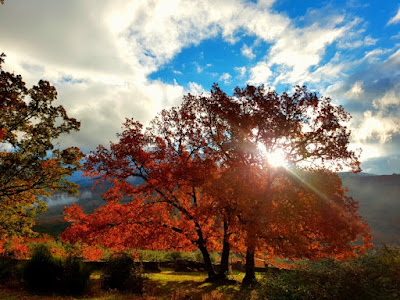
<point x="194" y="286"/>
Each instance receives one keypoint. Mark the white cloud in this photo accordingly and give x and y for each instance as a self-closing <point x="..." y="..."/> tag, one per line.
<point x="241" y="71"/>
<point x="109" y="48"/>
<point x="352" y="44"/>
<point x="225" y="77"/>
<point x="266" y="3"/>
<point x="390" y="98"/>
<point x="299" y="49"/>
<point x="196" y="89"/>
<point x="328" y="72"/>
<point x="260" y="74"/>
<point x="395" y="37"/>
<point x="395" y="19"/>
<point x="356" y="90"/>
<point x="372" y="96"/>
<point x="377" y="126"/>
<point x="247" y="51"/>
<point x="368" y="151"/>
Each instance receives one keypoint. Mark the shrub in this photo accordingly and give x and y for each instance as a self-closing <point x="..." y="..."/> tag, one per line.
<point x="10" y="270"/>
<point x="158" y="256"/>
<point x="46" y="274"/>
<point x="173" y="255"/>
<point x="120" y="273"/>
<point x="6" y="269"/>
<point x="153" y="255"/>
<point x="374" y="276"/>
<point x="76" y="276"/>
<point x="43" y="273"/>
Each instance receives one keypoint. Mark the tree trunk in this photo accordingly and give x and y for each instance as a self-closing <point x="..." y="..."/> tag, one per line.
<point x="250" y="276"/>
<point x="224" y="267"/>
<point x="207" y="262"/>
<point x="208" y="266"/>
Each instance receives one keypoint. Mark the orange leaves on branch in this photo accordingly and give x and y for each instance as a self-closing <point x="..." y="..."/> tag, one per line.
<point x="92" y="253"/>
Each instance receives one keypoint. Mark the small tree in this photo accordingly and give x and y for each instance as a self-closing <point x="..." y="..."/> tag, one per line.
<point x="168" y="210"/>
<point x="30" y="166"/>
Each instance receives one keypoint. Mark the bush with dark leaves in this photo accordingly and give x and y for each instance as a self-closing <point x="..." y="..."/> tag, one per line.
<point x="76" y="276"/>
<point x="46" y="274"/>
<point x="121" y="273"/>
<point x="43" y="273"/>
<point x="373" y="276"/>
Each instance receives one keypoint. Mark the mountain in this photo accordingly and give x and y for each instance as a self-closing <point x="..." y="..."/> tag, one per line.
<point x="379" y="200"/>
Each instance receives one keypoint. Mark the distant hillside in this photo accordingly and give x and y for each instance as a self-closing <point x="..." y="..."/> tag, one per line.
<point x="52" y="222"/>
<point x="379" y="198"/>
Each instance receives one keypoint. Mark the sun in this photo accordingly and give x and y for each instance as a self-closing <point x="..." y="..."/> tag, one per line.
<point x="276" y="158"/>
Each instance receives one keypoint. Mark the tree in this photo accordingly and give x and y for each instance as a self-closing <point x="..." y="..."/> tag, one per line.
<point x="207" y="181"/>
<point x="30" y="166"/>
<point x="250" y="129"/>
<point x="170" y="158"/>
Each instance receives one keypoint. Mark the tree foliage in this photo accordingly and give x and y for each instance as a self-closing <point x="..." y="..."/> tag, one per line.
<point x="208" y="182"/>
<point x="310" y="133"/>
<point x="30" y="165"/>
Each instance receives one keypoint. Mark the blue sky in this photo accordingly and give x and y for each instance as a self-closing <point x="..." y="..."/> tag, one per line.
<point x="123" y="58"/>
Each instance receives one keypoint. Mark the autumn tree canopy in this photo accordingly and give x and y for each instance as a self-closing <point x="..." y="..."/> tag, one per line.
<point x="254" y="127"/>
<point x="169" y="158"/>
<point x="210" y="182"/>
<point x="30" y="165"/>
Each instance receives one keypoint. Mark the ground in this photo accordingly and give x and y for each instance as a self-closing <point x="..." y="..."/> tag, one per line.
<point x="165" y="285"/>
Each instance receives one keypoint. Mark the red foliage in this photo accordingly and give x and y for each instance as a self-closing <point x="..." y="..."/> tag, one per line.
<point x="92" y="253"/>
<point x="202" y="182"/>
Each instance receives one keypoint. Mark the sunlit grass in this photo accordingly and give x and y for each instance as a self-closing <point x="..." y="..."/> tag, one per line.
<point x="194" y="284"/>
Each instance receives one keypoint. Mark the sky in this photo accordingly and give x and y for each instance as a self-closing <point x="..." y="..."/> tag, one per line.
<point x="111" y="60"/>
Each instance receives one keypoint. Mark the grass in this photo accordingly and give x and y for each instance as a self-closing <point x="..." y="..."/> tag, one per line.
<point x="165" y="285"/>
<point x="181" y="285"/>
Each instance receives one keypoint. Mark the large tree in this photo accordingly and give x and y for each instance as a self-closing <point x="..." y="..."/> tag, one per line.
<point x="30" y="165"/>
<point x="257" y="126"/>
<point x="207" y="178"/>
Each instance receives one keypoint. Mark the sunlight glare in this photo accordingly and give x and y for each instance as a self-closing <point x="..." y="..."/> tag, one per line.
<point x="276" y="158"/>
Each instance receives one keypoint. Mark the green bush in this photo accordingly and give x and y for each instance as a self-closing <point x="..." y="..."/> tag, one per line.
<point x="197" y="256"/>
<point x="120" y="273"/>
<point x="46" y="274"/>
<point x="151" y="255"/>
<point x="159" y="256"/>
<point x="173" y="255"/>
<point x="374" y="276"/>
